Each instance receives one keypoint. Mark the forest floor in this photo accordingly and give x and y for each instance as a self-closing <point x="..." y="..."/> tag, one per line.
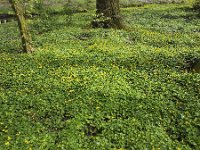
<point x="87" y="88"/>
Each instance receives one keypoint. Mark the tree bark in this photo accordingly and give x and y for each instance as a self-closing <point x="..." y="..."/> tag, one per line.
<point x="17" y="6"/>
<point x="109" y="10"/>
<point x="196" y="67"/>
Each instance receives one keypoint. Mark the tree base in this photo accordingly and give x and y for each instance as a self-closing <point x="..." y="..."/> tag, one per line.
<point x="196" y="67"/>
<point x="107" y="24"/>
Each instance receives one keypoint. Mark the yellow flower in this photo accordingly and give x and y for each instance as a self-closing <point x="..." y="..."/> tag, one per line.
<point x="4" y="130"/>
<point x="70" y="91"/>
<point x="26" y="141"/>
<point x="9" y="138"/>
<point x="7" y="143"/>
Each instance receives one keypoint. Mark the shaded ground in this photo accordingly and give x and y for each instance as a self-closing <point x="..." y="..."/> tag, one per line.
<point x="6" y="16"/>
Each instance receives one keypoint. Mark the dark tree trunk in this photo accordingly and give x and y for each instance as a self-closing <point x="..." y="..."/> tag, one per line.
<point x="17" y="6"/>
<point x="196" y="67"/>
<point x="108" y="14"/>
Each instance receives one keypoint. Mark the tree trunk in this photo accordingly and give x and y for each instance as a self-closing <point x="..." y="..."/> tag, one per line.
<point x="196" y="67"/>
<point x="17" y="6"/>
<point x="108" y="14"/>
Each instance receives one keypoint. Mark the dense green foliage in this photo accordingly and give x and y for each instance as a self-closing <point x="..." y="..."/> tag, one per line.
<point x="197" y="5"/>
<point x="102" y="89"/>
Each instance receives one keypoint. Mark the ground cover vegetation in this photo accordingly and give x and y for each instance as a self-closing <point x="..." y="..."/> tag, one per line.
<point x="86" y="88"/>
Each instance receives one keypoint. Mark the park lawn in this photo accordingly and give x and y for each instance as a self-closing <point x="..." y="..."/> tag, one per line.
<point x="87" y="88"/>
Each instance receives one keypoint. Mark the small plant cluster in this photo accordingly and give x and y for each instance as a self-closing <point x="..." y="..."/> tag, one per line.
<point x="101" y="21"/>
